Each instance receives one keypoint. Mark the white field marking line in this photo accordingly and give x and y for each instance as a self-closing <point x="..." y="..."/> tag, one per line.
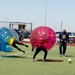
<point x="41" y="56"/>
<point x="59" y="58"/>
<point x="19" y="53"/>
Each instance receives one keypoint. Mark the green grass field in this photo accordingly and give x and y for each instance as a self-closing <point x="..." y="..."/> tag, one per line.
<point x="18" y="63"/>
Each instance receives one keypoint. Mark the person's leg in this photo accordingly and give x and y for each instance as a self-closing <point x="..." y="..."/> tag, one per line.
<point x="14" y="45"/>
<point x="36" y="52"/>
<point x="45" y="54"/>
<point x="32" y="49"/>
<point x="60" y="48"/>
<point x="64" y="48"/>
<point x="19" y="43"/>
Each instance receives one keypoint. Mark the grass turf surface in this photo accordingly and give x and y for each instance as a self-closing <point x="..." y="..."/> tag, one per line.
<point x="18" y="63"/>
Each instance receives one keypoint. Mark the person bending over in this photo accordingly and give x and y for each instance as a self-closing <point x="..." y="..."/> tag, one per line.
<point x="38" y="49"/>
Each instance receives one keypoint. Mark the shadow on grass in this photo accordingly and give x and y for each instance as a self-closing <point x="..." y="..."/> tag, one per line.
<point x="69" y="56"/>
<point x="50" y="60"/>
<point x="13" y="56"/>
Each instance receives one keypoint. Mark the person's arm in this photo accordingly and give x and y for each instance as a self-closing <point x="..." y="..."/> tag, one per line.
<point x="60" y="36"/>
<point x="67" y="39"/>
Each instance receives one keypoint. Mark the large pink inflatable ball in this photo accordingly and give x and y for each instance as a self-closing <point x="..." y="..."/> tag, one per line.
<point x="43" y="37"/>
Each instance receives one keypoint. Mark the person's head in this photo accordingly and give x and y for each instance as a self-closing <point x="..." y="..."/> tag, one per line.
<point x="64" y="30"/>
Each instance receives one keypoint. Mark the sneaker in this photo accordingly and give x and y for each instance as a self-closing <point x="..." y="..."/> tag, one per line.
<point x="60" y="55"/>
<point x="64" y="55"/>
<point x="23" y="51"/>
<point x="44" y="60"/>
<point x="33" y="60"/>
<point x="26" y="45"/>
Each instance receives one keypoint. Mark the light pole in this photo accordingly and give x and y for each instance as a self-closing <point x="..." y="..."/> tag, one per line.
<point x="61" y="26"/>
<point x="45" y="12"/>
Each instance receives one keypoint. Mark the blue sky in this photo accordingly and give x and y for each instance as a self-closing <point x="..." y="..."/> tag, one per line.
<point x="34" y="11"/>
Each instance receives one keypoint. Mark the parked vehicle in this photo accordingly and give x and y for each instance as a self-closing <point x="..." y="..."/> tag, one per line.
<point x="22" y="34"/>
<point x="70" y="41"/>
<point x="73" y="40"/>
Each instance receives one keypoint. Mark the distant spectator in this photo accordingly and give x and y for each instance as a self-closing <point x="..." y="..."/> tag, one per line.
<point x="63" y="37"/>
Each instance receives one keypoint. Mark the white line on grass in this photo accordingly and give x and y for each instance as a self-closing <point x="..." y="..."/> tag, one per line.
<point x="19" y="53"/>
<point x="58" y="58"/>
<point x="39" y="56"/>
